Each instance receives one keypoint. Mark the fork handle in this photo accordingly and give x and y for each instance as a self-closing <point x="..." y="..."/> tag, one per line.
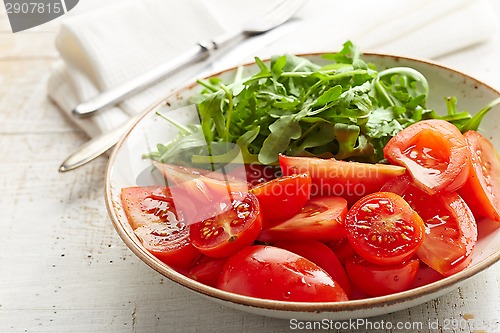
<point x="119" y="93"/>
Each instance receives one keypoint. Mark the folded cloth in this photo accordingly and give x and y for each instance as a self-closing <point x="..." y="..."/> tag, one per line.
<point x="104" y="47"/>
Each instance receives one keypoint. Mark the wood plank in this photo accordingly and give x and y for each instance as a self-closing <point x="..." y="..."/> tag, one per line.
<point x="21" y="46"/>
<point x="24" y="102"/>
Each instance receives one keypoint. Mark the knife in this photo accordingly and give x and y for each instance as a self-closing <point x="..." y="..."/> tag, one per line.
<point x="261" y="24"/>
<point x="100" y="144"/>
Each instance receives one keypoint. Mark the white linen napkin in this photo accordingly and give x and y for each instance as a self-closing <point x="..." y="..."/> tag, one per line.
<point x="106" y="46"/>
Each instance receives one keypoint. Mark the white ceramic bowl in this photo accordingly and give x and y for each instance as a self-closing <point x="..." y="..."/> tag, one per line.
<point x="126" y="168"/>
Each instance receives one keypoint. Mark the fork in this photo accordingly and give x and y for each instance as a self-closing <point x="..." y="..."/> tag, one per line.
<point x="275" y="17"/>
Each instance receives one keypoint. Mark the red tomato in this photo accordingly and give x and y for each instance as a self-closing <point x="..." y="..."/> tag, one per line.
<point x="321" y="255"/>
<point x="451" y="231"/>
<point x="376" y="280"/>
<point x="320" y="219"/>
<point x="148" y="204"/>
<point x="349" y="180"/>
<point x="383" y="229"/>
<point x="434" y="152"/>
<point x="426" y="275"/>
<point x="282" y="198"/>
<point x="255" y="173"/>
<point x="207" y="270"/>
<point x="160" y="227"/>
<point x="482" y="189"/>
<point x="272" y="273"/>
<point x="343" y="250"/>
<point x="168" y="243"/>
<point x="234" y="228"/>
<point x="205" y="189"/>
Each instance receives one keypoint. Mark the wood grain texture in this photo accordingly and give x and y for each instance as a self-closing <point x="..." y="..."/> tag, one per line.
<point x="63" y="268"/>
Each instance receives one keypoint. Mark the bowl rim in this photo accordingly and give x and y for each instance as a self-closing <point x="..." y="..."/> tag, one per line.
<point x="352" y="305"/>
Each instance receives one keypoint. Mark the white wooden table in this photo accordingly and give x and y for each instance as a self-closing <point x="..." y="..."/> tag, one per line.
<point x="63" y="268"/>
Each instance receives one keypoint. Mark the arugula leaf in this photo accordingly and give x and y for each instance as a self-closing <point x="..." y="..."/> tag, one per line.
<point x="344" y="108"/>
<point x="283" y="131"/>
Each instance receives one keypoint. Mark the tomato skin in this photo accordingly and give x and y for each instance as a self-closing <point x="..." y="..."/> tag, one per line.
<point x="255" y="173"/>
<point x="149" y="204"/>
<point x="272" y="273"/>
<point x="349" y="180"/>
<point x="320" y="219"/>
<point x="207" y="270"/>
<point x="434" y="152"/>
<point x="158" y="225"/>
<point x="343" y="250"/>
<point x="376" y="280"/>
<point x="228" y="232"/>
<point x="383" y="229"/>
<point x="481" y="191"/>
<point x="321" y="255"/>
<point x="203" y="188"/>
<point x="282" y="198"/>
<point x="451" y="231"/>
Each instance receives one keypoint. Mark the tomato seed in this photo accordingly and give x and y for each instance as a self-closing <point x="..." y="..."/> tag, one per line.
<point x="405" y="237"/>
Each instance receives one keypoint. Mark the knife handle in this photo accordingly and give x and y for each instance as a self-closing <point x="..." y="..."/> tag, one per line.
<point x="112" y="96"/>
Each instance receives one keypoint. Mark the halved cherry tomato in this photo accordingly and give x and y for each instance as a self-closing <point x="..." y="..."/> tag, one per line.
<point x="383" y="229"/>
<point x="282" y="198"/>
<point x="320" y="219"/>
<point x="349" y="180"/>
<point x="321" y="255"/>
<point x="207" y="270"/>
<point x="482" y="189"/>
<point x="160" y="227"/>
<point x="434" y="152"/>
<point x="272" y="273"/>
<point x="234" y="228"/>
<point x="376" y="280"/>
<point x="451" y="231"/>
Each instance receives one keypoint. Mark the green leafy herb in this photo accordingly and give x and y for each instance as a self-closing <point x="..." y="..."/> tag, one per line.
<point x="344" y="109"/>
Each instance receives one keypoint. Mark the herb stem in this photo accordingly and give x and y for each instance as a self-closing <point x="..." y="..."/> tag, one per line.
<point x="229" y="95"/>
<point x="179" y="126"/>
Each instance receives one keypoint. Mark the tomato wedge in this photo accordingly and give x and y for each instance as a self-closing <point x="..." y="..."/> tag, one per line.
<point x="255" y="173"/>
<point x="349" y="180"/>
<point x="320" y="219"/>
<point x="160" y="227"/>
<point x="376" y="280"/>
<point x="282" y="198"/>
<point x="272" y="273"/>
<point x="321" y="255"/>
<point x="482" y="189"/>
<point x="434" y="152"/>
<point x="170" y="244"/>
<point x="383" y="229"/>
<point x="234" y="228"/>
<point x="206" y="190"/>
<point x="451" y="231"/>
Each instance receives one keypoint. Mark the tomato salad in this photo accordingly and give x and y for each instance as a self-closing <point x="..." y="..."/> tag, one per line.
<point x="289" y="239"/>
<point x="370" y="192"/>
